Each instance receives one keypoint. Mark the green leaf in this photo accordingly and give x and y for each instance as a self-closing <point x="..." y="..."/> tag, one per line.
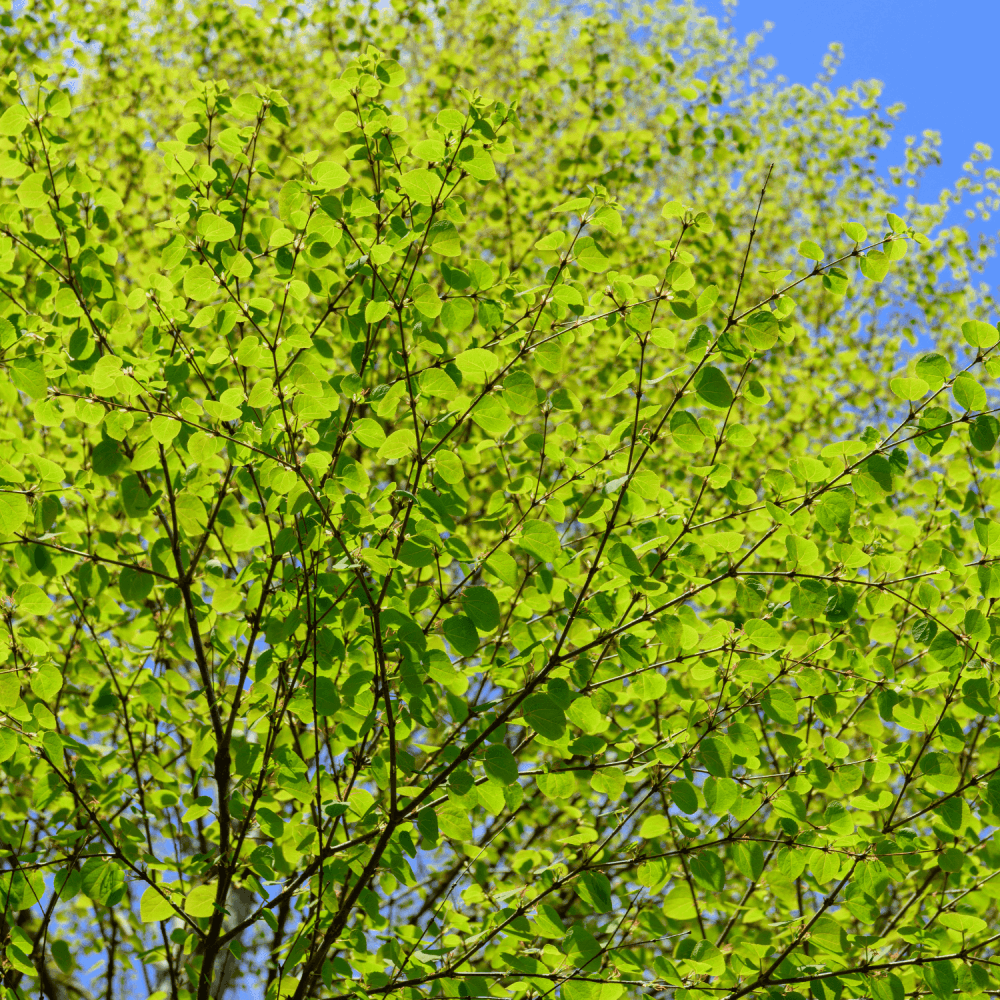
<point x="684" y="796"/>
<point x="457" y="314"/>
<point x="329" y="175"/>
<point x="968" y="393"/>
<point x="397" y="445"/>
<point x="610" y="220"/>
<point x="909" y="388"/>
<point x="589" y="255"/>
<point x="712" y="388"/>
<point x="14" y="120"/>
<point x="934" y="370"/>
<point x="762" y="330"/>
<point x="261" y="394"/>
<point x="27" y="375"/>
<point x="390" y="72"/>
<point x="809" y="598"/>
<point x="874" y="265"/>
<point x="762" y="634"/>
<point x="810" y="250"/>
<point x="754" y="392"/>
<point x="625" y="379"/>
<point x="153" y="906"/>
<point x="979" y="334"/>
<point x="501" y="764"/>
<point x="346" y="121"/>
<point x="924" y="630"/>
<point x="779" y="705"/>
<point x="889" y="987"/>
<point x="834" y="511"/>
<point x="545" y="716"/>
<point x="519" y="393"/>
<point x="855" y="231"/>
<point x="30" y="599"/>
<point x="376" y="311"/>
<point x="46" y="683"/>
<point x="214" y="229"/>
<point x="21" y="960"/>
<point x="135" y="500"/>
<point x="429" y="149"/>
<point x="492" y="417"/>
<point x="557" y="785"/>
<point x="716" y="757"/>
<point x="988" y="532"/>
<point x="678" y="904"/>
<point x="61" y="954"/>
<point x="873" y="479"/>
<point x="200" y="901"/>
<point x="708" y="871"/>
<point x="135" y="586"/>
<point x="477" y="363"/>
<point x="225" y="598"/>
<point x="935" y="427"/>
<point x="454" y="822"/>
<point x="439" y="384"/>
<point x="940" y="978"/>
<point x="369" y="432"/>
<point x="482" y="608"/>
<point x="103" y="881"/>
<point x="984" y="431"/>
<point x="706" y="299"/>
<point x="200" y="283"/>
<point x="654" y="826"/>
<point x="8" y="743"/>
<point x="31" y="192"/>
<point x="461" y="634"/>
<point x="442" y="238"/>
<point x="553" y="241"/>
<point x="540" y="539"/>
<point x="686" y="432"/>
<point x="164" y="429"/>
<point x="749" y="859"/>
<point x="421" y="185"/>
<point x="594" y="888"/>
<point x="11" y="167"/>
<point x="743" y="740"/>
<point x="476" y="162"/>
<point x="13" y="512"/>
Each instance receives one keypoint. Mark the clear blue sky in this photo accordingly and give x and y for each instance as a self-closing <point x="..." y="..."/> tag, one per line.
<point x="938" y="57"/>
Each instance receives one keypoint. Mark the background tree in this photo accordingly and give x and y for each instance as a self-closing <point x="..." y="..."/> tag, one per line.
<point x="497" y="501"/>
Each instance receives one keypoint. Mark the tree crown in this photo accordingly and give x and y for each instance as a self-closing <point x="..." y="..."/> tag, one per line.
<point x="471" y="523"/>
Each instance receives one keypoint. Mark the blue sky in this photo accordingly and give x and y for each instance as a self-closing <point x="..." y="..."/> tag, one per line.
<point x="938" y="57"/>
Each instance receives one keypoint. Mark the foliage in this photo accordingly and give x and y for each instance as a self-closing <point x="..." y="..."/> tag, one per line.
<point x="472" y="527"/>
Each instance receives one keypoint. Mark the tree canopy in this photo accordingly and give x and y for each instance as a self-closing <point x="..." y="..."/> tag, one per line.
<point x="497" y="500"/>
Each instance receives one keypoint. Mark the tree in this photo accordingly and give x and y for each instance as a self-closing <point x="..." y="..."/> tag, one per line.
<point x="497" y="501"/>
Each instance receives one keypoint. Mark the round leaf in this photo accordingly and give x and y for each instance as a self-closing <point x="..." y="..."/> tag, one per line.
<point x="461" y="634"/>
<point x="215" y="229"/>
<point x="500" y="763"/>
<point x="477" y="363"/>
<point x="909" y="388"/>
<point x="482" y="608"/>
<point x="545" y="716"/>
<point x="200" y="901"/>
